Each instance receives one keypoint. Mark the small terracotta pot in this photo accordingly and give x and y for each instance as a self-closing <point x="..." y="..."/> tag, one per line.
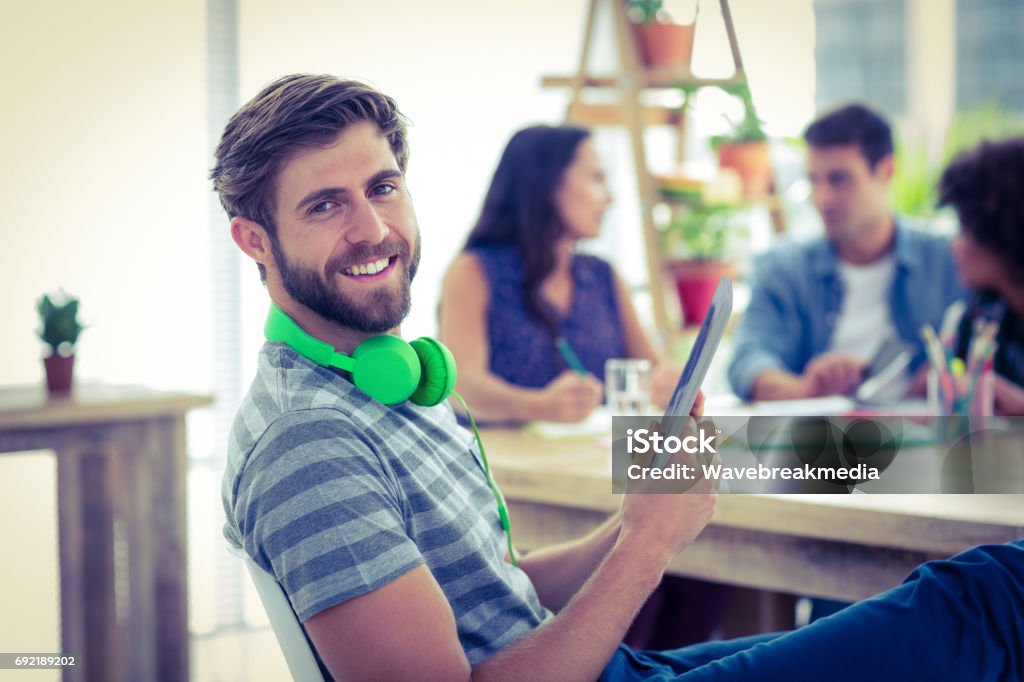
<point x="752" y="161"/>
<point x="665" y="44"/>
<point x="59" y="373"/>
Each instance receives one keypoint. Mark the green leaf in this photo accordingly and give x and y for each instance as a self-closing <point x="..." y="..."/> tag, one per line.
<point x="59" y="315"/>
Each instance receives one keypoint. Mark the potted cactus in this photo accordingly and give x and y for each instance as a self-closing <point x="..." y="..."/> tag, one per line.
<point x="60" y="330"/>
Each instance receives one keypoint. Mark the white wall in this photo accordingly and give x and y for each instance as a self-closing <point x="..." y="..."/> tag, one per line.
<point x="101" y="192"/>
<point x="102" y="185"/>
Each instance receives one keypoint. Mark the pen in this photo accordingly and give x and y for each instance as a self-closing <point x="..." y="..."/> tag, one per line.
<point x="937" y="359"/>
<point x="569" y="355"/>
<point x="956" y="369"/>
<point x="982" y="343"/>
<point x="950" y="322"/>
<point x="933" y="349"/>
<point x="984" y="365"/>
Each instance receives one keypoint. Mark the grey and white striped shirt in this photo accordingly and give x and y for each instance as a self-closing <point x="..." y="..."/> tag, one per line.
<point x="336" y="495"/>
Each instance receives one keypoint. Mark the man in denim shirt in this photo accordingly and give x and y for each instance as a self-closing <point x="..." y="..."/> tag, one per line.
<point x="820" y="310"/>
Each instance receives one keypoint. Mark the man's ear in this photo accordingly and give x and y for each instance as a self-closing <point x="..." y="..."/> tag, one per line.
<point x="252" y="239"/>
<point x="885" y="167"/>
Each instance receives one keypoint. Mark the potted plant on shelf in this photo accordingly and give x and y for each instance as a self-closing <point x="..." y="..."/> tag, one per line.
<point x="60" y="330"/>
<point x="697" y="238"/>
<point x="662" y="42"/>
<point x="745" y="149"/>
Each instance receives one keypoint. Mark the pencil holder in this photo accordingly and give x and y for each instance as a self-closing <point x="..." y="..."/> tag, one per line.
<point x="960" y="404"/>
<point x="983" y="398"/>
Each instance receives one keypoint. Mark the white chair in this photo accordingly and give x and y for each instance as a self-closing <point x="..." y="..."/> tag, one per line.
<point x="298" y="653"/>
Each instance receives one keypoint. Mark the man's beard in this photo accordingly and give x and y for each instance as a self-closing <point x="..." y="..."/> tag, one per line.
<point x="383" y="309"/>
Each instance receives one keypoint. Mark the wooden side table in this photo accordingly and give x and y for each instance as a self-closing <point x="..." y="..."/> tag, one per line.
<point x="121" y="467"/>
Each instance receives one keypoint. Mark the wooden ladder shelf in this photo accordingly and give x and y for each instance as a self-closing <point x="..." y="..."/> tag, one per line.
<point x="622" y="104"/>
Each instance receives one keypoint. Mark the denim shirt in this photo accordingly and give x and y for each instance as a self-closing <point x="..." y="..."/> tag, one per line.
<point x="797" y="292"/>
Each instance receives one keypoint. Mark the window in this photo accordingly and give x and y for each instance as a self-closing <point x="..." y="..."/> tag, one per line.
<point x="860" y="51"/>
<point x="990" y="53"/>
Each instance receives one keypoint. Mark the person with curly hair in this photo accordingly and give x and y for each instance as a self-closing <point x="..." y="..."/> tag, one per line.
<point x="985" y="185"/>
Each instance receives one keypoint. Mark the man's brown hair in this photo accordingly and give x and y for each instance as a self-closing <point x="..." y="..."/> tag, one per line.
<point x="293" y="112"/>
<point x="855" y="124"/>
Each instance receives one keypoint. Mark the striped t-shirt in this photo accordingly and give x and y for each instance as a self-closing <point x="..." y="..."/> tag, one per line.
<point x="336" y="495"/>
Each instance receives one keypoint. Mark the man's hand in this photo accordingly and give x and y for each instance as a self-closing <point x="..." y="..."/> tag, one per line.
<point x="698" y="405"/>
<point x="571" y="397"/>
<point x="833" y="374"/>
<point x="658" y="515"/>
<point x="1009" y="397"/>
<point x="664" y="378"/>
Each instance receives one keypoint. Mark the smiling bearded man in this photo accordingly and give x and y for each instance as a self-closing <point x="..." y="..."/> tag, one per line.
<point x="384" y="309"/>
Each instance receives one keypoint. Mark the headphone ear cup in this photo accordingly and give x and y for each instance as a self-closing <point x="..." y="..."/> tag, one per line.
<point x="439" y="372"/>
<point x="387" y="369"/>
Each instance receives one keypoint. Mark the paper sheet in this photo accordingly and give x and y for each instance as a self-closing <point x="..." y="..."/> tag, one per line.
<point x="818" y="407"/>
<point x="599" y="423"/>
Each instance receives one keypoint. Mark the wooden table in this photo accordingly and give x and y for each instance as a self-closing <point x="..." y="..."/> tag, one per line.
<point x="121" y="465"/>
<point x="838" y="546"/>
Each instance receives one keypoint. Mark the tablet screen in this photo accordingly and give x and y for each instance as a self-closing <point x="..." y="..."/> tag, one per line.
<point x="697" y="364"/>
<point x="882" y="377"/>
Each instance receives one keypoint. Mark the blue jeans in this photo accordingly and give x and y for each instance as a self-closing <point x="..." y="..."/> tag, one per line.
<point x="960" y="620"/>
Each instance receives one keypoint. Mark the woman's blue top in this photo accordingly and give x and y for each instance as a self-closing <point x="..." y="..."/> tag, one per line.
<point x="522" y="350"/>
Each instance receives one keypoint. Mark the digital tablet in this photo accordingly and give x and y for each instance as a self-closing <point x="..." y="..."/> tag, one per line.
<point x="696" y="368"/>
<point x="886" y="367"/>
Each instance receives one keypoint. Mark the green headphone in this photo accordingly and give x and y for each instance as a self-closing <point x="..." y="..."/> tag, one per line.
<point x="386" y="368"/>
<point x="390" y="370"/>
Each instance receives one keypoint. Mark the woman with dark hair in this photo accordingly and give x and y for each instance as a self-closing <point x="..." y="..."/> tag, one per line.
<point x="985" y="186"/>
<point x="519" y="286"/>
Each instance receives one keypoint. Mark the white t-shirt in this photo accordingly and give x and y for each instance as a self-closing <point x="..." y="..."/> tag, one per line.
<point x="864" y="320"/>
